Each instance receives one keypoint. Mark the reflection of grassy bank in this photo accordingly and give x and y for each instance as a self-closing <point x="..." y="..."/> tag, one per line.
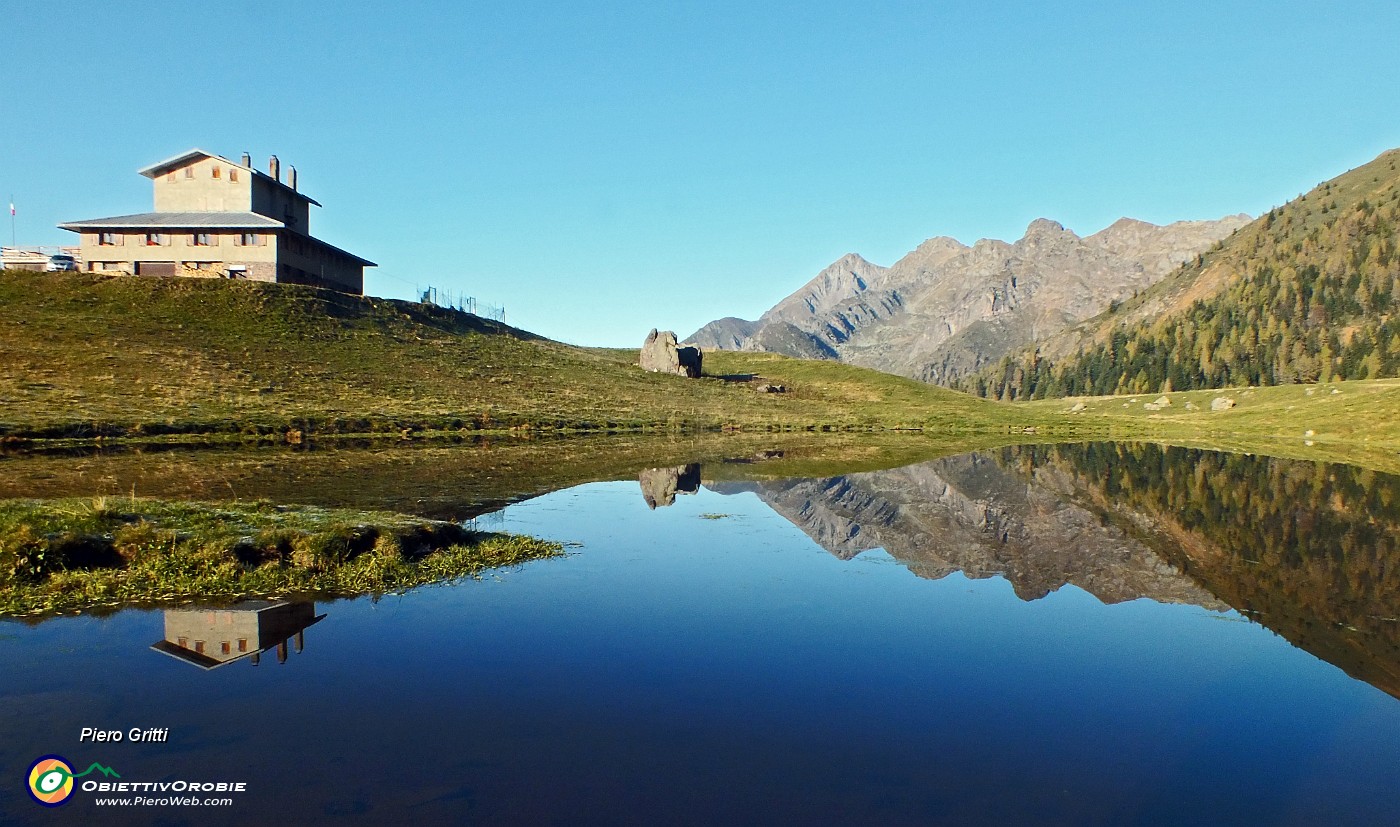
<point x="58" y="555"/>
<point x="447" y="480"/>
<point x="454" y="481"/>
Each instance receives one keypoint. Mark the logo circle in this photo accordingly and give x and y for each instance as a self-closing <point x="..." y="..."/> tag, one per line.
<point x="50" y="780"/>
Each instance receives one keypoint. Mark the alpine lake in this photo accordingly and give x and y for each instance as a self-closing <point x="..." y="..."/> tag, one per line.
<point x="749" y="630"/>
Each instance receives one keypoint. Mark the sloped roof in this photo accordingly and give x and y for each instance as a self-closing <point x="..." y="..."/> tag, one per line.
<point x="155" y="170"/>
<point x="363" y="261"/>
<point x="179" y="221"/>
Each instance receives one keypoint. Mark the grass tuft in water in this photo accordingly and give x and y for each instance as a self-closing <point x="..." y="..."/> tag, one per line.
<point x="74" y="554"/>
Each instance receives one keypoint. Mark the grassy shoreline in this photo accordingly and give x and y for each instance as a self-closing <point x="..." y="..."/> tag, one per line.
<point x="85" y="357"/>
<point x="75" y="554"/>
<point x="1351" y="417"/>
<point x="94" y="360"/>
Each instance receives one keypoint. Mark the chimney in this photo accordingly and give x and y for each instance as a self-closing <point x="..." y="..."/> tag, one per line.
<point x="247" y="160"/>
<point x="274" y="168"/>
<point x="292" y="176"/>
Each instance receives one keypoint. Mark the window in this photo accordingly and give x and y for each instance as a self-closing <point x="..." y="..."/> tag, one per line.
<point x="199" y="647"/>
<point x="242" y="644"/>
<point x="217" y="173"/>
<point x="233" y="176"/>
<point x="224" y="647"/>
<point x="189" y="172"/>
<point x="155" y="239"/>
<point x="249" y="240"/>
<point x="203" y="239"/>
<point x="237" y="271"/>
<point x="107" y="239"/>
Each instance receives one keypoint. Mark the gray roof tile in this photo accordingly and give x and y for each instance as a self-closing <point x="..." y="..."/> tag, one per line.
<point x="180" y="221"/>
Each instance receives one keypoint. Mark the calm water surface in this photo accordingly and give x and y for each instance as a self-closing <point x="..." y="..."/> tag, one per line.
<point x="1063" y="636"/>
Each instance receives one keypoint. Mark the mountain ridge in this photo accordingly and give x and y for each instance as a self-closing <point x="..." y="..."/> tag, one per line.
<point x="947" y="309"/>
<point x="1306" y="293"/>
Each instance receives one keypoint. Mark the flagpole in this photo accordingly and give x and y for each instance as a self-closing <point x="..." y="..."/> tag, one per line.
<point x="12" y="220"/>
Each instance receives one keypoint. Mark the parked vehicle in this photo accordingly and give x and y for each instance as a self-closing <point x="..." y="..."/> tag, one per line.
<point x="62" y="262"/>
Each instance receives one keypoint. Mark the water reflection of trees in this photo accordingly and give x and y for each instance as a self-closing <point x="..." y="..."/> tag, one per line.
<point x="1309" y="550"/>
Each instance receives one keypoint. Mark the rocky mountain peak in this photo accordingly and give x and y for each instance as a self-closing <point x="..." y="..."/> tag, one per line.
<point x="940" y="244"/>
<point x="1125" y="225"/>
<point x="842" y="282"/>
<point x="1044" y="228"/>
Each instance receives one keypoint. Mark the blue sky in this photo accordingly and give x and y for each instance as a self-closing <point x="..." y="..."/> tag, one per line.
<point x="603" y="168"/>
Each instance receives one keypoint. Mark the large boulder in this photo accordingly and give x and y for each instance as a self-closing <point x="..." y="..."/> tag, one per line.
<point x="662" y="354"/>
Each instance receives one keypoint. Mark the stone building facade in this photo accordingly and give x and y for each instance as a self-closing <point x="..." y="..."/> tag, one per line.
<point x="215" y="218"/>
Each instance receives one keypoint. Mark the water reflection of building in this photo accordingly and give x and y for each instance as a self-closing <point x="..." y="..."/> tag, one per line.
<point x="660" y="485"/>
<point x="209" y="638"/>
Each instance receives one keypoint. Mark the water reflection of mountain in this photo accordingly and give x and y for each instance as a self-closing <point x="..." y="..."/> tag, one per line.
<point x="974" y="515"/>
<point x="209" y="638"/>
<point x="1309" y="550"/>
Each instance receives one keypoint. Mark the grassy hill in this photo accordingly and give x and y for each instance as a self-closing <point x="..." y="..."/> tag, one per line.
<point x="83" y="355"/>
<point x="1356" y="422"/>
<point x="1307" y="293"/>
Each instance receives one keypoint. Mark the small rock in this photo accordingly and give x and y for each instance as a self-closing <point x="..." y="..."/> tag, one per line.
<point x="1151" y="406"/>
<point x="1307" y="391"/>
<point x="1309" y="432"/>
<point x="1222" y="403"/>
<point x="1191" y="406"/>
<point x="1334" y="390"/>
<point x="1163" y="401"/>
<point x="766" y="388"/>
<point x="1079" y="407"/>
